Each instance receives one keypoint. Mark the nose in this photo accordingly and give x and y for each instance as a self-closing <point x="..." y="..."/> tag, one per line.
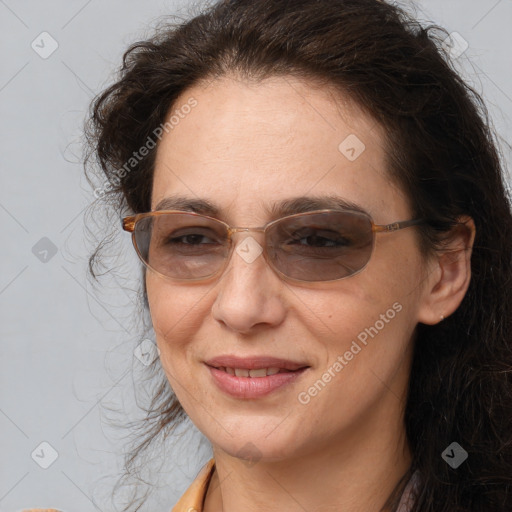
<point x="249" y="291"/>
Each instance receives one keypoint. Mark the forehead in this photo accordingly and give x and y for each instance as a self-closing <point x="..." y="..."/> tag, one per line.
<point x="250" y="145"/>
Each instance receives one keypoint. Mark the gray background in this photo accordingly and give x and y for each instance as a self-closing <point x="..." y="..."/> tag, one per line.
<point x="67" y="349"/>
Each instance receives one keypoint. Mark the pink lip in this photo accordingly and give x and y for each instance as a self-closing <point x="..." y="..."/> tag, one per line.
<point x="252" y="387"/>
<point x="254" y="363"/>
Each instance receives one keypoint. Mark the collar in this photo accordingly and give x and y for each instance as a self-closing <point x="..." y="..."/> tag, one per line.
<point x="408" y="496"/>
<point x="193" y="498"/>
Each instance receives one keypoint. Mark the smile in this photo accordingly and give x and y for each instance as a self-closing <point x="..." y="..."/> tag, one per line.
<point x="254" y="383"/>
<point x="260" y="372"/>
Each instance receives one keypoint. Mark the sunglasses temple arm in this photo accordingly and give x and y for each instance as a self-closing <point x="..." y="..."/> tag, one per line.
<point x="396" y="226"/>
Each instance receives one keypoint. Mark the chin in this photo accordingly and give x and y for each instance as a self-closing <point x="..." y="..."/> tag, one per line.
<point x="253" y="449"/>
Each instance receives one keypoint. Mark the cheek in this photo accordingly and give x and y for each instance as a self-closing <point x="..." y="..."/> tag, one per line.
<point x="161" y="308"/>
<point x="372" y="329"/>
<point x="367" y="364"/>
<point x="370" y="325"/>
<point x="175" y="313"/>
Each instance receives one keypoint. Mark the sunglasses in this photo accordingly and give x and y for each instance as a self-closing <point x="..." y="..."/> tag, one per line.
<point x="323" y="245"/>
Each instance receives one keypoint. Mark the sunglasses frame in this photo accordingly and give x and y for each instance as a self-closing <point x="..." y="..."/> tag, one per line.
<point x="128" y="224"/>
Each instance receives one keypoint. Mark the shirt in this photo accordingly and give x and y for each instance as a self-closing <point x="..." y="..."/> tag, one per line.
<point x="193" y="498"/>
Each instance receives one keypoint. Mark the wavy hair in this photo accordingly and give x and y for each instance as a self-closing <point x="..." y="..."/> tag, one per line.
<point x="441" y="150"/>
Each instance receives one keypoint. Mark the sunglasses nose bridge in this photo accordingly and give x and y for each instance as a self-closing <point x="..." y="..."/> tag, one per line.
<point x="237" y="229"/>
<point x="232" y="230"/>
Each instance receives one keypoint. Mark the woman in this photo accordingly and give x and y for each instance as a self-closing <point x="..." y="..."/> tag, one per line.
<point x="351" y="349"/>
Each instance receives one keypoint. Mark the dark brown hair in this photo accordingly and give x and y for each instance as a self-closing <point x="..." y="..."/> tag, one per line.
<point x="440" y="150"/>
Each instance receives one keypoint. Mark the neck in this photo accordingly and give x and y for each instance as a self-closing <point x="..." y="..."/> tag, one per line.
<point x="355" y="472"/>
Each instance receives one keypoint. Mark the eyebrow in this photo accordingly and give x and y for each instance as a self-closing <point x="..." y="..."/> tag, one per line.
<point x="301" y="204"/>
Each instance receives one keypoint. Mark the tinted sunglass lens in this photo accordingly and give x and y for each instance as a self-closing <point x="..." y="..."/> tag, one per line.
<point x="321" y="246"/>
<point x="182" y="246"/>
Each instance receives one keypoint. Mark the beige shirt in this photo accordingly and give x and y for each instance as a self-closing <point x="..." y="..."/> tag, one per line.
<point x="193" y="498"/>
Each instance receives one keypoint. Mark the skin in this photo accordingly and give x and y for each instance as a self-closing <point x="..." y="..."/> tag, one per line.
<point x="243" y="145"/>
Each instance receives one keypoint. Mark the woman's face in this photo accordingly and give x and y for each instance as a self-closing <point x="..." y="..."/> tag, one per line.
<point x="243" y="147"/>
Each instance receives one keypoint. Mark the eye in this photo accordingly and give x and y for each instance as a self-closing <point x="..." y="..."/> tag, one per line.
<point x="192" y="236"/>
<point x="319" y="238"/>
<point x="189" y="239"/>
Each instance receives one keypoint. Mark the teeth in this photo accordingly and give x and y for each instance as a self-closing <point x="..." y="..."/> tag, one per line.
<point x="261" y="372"/>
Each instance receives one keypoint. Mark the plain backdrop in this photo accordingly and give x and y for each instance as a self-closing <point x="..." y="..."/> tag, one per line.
<point x="67" y="350"/>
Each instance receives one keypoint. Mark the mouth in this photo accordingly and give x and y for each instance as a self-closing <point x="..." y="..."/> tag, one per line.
<point x="255" y="372"/>
<point x="254" y="366"/>
<point x="253" y="383"/>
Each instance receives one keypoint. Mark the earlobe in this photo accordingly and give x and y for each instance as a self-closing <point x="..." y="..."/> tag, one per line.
<point x="447" y="284"/>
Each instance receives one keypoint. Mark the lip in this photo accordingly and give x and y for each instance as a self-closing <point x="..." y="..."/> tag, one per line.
<point x="254" y="363"/>
<point x="252" y="387"/>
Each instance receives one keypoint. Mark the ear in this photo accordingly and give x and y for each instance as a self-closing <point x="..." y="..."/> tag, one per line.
<point x="449" y="274"/>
